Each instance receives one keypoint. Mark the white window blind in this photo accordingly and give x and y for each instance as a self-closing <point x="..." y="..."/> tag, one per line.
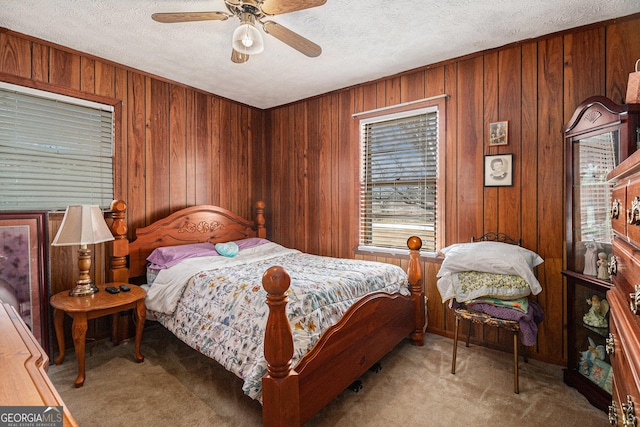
<point x="596" y="157"/>
<point x="54" y="151"/>
<point x="399" y="173"/>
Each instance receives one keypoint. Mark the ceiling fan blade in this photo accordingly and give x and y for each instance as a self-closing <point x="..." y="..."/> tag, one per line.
<point x="238" y="57"/>
<point x="294" y="40"/>
<point x="274" y="7"/>
<point x="169" y="18"/>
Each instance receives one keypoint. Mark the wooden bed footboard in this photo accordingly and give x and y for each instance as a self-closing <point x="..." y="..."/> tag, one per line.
<point x="369" y="329"/>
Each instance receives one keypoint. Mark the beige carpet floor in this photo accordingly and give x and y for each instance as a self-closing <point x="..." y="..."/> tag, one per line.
<point x="176" y="386"/>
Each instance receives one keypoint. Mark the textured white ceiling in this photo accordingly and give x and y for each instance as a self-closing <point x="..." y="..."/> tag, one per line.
<point x="362" y="40"/>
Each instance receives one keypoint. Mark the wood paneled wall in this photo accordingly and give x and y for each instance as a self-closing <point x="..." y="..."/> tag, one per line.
<point x="312" y="173"/>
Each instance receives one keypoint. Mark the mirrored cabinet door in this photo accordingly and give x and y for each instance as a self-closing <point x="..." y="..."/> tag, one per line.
<point x="599" y="136"/>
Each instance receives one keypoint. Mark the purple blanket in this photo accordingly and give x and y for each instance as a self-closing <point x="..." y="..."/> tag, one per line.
<point x="528" y="322"/>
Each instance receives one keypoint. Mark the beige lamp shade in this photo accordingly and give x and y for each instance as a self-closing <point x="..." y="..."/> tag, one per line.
<point x="82" y="225"/>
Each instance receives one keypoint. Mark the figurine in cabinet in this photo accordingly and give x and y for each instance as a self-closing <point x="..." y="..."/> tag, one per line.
<point x="590" y="258"/>
<point x="603" y="266"/>
<point x="595" y="317"/>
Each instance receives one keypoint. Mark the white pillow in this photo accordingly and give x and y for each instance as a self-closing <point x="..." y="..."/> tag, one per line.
<point x="492" y="257"/>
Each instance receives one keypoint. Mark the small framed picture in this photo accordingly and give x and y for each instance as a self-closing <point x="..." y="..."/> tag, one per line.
<point x="499" y="133"/>
<point x="498" y="170"/>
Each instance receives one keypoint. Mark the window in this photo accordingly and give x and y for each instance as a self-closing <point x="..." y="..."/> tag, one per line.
<point x="399" y="179"/>
<point x="594" y="158"/>
<point x="54" y="150"/>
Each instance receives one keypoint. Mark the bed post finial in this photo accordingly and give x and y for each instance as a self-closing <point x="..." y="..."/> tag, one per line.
<point x="280" y="392"/>
<point x="260" y="221"/>
<point x="414" y="243"/>
<point x="119" y="248"/>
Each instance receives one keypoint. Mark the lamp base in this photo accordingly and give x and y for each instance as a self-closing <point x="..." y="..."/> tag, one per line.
<point x="81" y="290"/>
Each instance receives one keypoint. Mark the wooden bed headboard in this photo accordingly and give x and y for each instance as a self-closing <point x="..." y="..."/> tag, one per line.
<point x="195" y="224"/>
<point x="492" y="236"/>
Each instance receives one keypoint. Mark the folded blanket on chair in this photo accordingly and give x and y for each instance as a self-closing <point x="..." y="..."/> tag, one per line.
<point x="520" y="304"/>
<point x="528" y="321"/>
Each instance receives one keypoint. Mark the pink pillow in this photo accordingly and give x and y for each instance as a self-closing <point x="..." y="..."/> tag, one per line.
<point x="169" y="256"/>
<point x="250" y="242"/>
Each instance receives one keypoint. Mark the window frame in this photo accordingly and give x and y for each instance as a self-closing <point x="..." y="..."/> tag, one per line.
<point x="85" y="99"/>
<point x="437" y="102"/>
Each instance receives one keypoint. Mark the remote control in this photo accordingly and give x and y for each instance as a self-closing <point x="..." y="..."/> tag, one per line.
<point x="125" y="288"/>
<point x="112" y="290"/>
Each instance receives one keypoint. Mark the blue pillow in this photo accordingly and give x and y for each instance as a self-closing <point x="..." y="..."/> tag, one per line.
<point x="229" y="249"/>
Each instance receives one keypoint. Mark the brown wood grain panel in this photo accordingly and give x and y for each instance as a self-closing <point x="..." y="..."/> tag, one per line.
<point x="434" y="81"/>
<point x="348" y="194"/>
<point x="87" y="75"/>
<point x="313" y="177"/>
<point x="257" y="149"/>
<point x="233" y="167"/>
<point x="552" y="332"/>
<point x="325" y="194"/>
<point x="621" y="54"/>
<point x="368" y="98"/>
<point x="157" y="151"/>
<point x="120" y="159"/>
<point x="238" y="151"/>
<point x="493" y="200"/>
<point x="15" y="55"/>
<point x="509" y="109"/>
<point x="491" y="114"/>
<point x="216" y="136"/>
<point x="276" y="189"/>
<point x="470" y="132"/>
<point x="301" y="178"/>
<point x="288" y="175"/>
<point x="451" y="156"/>
<point x="222" y="177"/>
<point x="105" y="79"/>
<point x="191" y="142"/>
<point x="583" y="67"/>
<point x="334" y="182"/>
<point x="39" y="62"/>
<point x="392" y="91"/>
<point x="64" y="69"/>
<point x="286" y="156"/>
<point x="436" y="310"/>
<point x="412" y="86"/>
<point x="241" y="153"/>
<point x="529" y="146"/>
<point x="381" y="94"/>
<point x="204" y="170"/>
<point x="550" y="228"/>
<point x="177" y="167"/>
<point x="136" y="152"/>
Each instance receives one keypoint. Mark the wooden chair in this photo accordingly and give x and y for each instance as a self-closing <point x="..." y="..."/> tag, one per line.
<point x="472" y="316"/>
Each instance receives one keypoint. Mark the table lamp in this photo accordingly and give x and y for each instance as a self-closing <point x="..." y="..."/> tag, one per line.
<point x="83" y="225"/>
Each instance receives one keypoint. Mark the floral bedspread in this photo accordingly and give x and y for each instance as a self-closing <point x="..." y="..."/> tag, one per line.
<point x="223" y="313"/>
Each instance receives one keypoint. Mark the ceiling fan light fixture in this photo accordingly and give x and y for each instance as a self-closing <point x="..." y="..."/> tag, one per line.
<point x="247" y="38"/>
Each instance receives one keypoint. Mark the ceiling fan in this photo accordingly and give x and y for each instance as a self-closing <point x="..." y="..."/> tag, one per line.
<point x="247" y="40"/>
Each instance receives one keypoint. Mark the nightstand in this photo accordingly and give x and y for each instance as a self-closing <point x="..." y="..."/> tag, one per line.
<point x="84" y="308"/>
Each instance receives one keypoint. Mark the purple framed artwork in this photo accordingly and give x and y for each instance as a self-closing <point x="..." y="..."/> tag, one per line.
<point x="23" y="274"/>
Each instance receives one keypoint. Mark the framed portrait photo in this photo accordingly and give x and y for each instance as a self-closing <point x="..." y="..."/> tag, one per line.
<point x="23" y="276"/>
<point x="498" y="170"/>
<point x="499" y="133"/>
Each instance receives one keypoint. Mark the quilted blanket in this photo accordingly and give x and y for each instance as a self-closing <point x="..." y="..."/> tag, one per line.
<point x="222" y="312"/>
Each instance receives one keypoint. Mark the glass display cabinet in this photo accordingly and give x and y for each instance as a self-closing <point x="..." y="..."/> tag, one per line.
<point x="598" y="137"/>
